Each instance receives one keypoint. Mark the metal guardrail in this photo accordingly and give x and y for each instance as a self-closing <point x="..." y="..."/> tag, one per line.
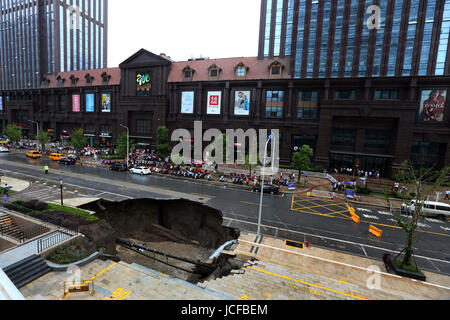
<point x="43" y="244"/>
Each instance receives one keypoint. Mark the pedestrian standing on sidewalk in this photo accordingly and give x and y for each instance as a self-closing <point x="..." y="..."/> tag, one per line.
<point x="5" y="193"/>
<point x="447" y="195"/>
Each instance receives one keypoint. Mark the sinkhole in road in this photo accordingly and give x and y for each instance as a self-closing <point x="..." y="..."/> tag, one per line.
<point x="174" y="237"/>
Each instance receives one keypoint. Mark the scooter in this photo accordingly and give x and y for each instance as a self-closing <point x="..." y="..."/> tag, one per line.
<point x="387" y="261"/>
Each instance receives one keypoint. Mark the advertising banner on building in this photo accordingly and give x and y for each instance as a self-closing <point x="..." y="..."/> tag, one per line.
<point x="1" y="103"/>
<point x="242" y="103"/>
<point x="76" y="103"/>
<point x="90" y="106"/>
<point x="432" y="105"/>
<point x="214" y="102"/>
<point x="144" y="83"/>
<point x="106" y="102"/>
<point x="187" y="102"/>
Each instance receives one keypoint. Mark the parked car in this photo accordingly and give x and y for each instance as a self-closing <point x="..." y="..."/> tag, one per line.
<point x="268" y="188"/>
<point x="4" y="149"/>
<point x="67" y="161"/>
<point x="56" y="156"/>
<point x="120" y="167"/>
<point x="34" y="154"/>
<point x="429" y="209"/>
<point x="141" y="171"/>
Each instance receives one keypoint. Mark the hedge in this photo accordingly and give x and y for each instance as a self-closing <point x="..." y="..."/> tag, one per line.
<point x="74" y="211"/>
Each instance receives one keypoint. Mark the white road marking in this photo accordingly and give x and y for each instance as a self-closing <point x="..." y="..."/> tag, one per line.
<point x="385" y="213"/>
<point x="445" y="228"/>
<point x="370" y="217"/>
<point x="434" y="220"/>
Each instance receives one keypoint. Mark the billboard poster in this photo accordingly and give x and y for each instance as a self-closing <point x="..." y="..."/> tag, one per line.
<point x="106" y="102"/>
<point x="242" y="103"/>
<point x="90" y="102"/>
<point x="144" y="83"/>
<point x="432" y="105"/>
<point x="214" y="102"/>
<point x="1" y="103"/>
<point x="187" y="102"/>
<point x="76" y="103"/>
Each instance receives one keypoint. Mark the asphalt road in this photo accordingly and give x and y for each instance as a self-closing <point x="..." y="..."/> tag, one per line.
<point x="323" y="223"/>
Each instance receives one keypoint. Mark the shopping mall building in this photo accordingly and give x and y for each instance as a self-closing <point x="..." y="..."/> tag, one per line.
<point x="362" y="88"/>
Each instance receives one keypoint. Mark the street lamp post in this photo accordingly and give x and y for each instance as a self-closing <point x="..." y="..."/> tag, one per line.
<point x="128" y="143"/>
<point x="262" y="186"/>
<point x="61" y="188"/>
<point x="37" y="132"/>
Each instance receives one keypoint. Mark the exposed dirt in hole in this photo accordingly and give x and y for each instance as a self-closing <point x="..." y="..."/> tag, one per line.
<point x="177" y="227"/>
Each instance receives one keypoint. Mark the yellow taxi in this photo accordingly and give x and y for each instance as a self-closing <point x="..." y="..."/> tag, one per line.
<point x="56" y="156"/>
<point x="34" y="154"/>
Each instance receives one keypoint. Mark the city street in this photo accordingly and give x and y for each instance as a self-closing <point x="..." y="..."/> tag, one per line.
<point x="322" y="223"/>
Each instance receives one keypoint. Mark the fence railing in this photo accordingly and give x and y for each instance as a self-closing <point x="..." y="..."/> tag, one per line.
<point x="43" y="244"/>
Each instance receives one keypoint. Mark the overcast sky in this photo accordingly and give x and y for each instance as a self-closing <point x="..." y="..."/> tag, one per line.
<point x="183" y="28"/>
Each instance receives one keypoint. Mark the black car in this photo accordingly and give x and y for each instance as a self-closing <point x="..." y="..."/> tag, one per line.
<point x="67" y="161"/>
<point x="120" y="167"/>
<point x="268" y="188"/>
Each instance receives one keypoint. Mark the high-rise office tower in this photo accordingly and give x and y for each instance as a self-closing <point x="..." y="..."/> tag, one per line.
<point x="39" y="37"/>
<point x="358" y="38"/>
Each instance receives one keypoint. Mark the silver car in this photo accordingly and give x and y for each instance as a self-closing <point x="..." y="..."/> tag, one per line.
<point x="429" y="209"/>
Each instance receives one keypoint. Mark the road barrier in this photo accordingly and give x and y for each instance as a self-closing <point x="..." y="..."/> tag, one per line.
<point x="355" y="217"/>
<point x="375" y="231"/>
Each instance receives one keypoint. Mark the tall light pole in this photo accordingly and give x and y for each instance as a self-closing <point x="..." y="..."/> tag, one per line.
<point x="128" y="143"/>
<point x="61" y="188"/>
<point x="37" y="132"/>
<point x="262" y="186"/>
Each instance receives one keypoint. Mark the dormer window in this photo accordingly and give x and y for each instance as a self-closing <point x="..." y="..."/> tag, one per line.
<point x="105" y="78"/>
<point x="241" y="71"/>
<point x="213" y="72"/>
<point x="73" y="80"/>
<point x="275" y="70"/>
<point x="188" y="73"/>
<point x="89" y="79"/>
<point x="45" y="82"/>
<point x="60" y="81"/>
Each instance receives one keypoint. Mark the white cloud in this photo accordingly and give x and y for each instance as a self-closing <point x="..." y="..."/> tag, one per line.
<point x="183" y="28"/>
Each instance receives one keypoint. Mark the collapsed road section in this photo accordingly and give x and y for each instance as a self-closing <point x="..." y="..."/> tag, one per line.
<point x="179" y="238"/>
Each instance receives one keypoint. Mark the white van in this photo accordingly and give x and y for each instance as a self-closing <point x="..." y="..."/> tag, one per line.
<point x="436" y="209"/>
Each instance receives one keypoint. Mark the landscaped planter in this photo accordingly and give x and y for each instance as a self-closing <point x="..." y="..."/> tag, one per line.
<point x="418" y="276"/>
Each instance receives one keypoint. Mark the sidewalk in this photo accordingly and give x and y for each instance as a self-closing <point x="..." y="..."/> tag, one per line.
<point x="342" y="267"/>
<point x="17" y="185"/>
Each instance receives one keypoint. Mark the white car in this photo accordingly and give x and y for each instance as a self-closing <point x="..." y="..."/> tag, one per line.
<point x="436" y="209"/>
<point x="141" y="170"/>
<point x="4" y="149"/>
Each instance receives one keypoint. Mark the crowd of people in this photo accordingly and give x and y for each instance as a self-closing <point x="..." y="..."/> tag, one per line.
<point x="371" y="174"/>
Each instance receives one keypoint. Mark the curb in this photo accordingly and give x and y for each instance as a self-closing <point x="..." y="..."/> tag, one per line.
<point x="81" y="263"/>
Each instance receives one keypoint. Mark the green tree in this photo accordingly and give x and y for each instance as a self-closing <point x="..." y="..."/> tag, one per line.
<point x="13" y="132"/>
<point x="163" y="148"/>
<point x="302" y="160"/>
<point x="43" y="138"/>
<point x="423" y="185"/>
<point x="247" y="162"/>
<point x="122" y="145"/>
<point x="78" y="140"/>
